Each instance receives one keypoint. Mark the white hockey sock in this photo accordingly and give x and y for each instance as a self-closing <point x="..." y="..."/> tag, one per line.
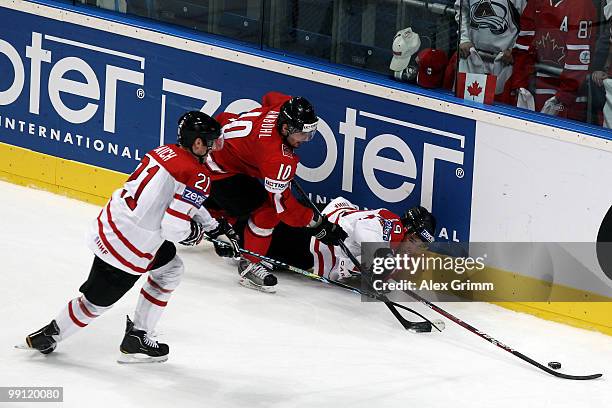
<point x="155" y="294"/>
<point x="78" y="313"/>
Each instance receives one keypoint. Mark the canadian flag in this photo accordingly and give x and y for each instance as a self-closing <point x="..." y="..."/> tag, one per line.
<point x="476" y="87"/>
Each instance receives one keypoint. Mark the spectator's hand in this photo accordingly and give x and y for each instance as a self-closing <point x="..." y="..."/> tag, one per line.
<point x="552" y="106"/>
<point x="464" y="49"/>
<point x="506" y="58"/>
<point x="598" y="77"/>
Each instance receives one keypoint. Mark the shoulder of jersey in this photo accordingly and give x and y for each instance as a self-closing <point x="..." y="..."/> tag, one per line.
<point x="178" y="162"/>
<point x="389" y="215"/>
<point x="274" y="98"/>
<point x="391" y="223"/>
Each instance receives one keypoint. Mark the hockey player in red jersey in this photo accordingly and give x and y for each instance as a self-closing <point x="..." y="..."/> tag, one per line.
<point x="160" y="203"/>
<point x="555" y="33"/>
<point x="259" y="148"/>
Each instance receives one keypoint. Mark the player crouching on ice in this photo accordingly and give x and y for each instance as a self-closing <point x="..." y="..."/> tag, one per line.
<point x="160" y="203"/>
<point x="297" y="247"/>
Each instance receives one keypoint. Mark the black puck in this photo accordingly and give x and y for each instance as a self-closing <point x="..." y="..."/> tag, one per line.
<point x="555" y="365"/>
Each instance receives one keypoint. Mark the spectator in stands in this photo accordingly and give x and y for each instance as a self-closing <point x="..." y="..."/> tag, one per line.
<point x="601" y="76"/>
<point x="488" y="31"/>
<point x="558" y="35"/>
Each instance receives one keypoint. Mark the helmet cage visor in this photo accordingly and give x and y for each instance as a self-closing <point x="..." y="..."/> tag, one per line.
<point x="306" y="133"/>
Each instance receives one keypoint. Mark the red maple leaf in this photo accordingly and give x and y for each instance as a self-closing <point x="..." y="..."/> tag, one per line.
<point x="474" y="89"/>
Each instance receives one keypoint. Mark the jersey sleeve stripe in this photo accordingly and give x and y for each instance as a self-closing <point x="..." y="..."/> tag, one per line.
<point x="152" y="299"/>
<point x="178" y="214"/>
<point x="115" y="253"/>
<point x="73" y="317"/>
<point x="578" y="46"/>
<point x="122" y="238"/>
<point x="278" y="203"/>
<point x="574" y="67"/>
<point x="156" y="286"/>
<point x="321" y="266"/>
<point x="333" y="256"/>
<point x="179" y="197"/>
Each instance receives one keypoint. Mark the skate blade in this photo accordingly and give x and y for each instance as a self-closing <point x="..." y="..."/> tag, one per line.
<point x="139" y="358"/>
<point x="248" y="284"/>
<point x="24" y="346"/>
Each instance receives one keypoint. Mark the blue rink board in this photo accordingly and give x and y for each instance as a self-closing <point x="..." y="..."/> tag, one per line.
<point x="100" y="97"/>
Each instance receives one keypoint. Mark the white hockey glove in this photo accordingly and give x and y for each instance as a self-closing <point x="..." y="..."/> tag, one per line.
<point x="232" y="250"/>
<point x="196" y="235"/>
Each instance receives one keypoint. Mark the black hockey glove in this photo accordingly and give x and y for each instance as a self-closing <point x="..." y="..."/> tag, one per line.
<point x="327" y="232"/>
<point x="196" y="235"/>
<point x="379" y="271"/>
<point x="232" y="249"/>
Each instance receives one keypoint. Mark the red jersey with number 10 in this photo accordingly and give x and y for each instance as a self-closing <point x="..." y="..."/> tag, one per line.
<point x="155" y="204"/>
<point x="253" y="146"/>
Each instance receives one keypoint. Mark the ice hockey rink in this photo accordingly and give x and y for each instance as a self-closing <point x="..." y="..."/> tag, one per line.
<point x="308" y="345"/>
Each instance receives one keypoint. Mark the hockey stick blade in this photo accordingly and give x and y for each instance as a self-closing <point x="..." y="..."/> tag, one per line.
<point x="497" y="343"/>
<point x="553" y="372"/>
<point x="405" y="323"/>
<point x="380" y="296"/>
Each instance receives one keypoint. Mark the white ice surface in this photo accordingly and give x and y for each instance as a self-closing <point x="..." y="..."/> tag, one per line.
<point x="309" y="345"/>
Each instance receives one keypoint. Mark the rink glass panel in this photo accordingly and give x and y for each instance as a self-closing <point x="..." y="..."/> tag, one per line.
<point x="559" y="49"/>
<point x="359" y="34"/>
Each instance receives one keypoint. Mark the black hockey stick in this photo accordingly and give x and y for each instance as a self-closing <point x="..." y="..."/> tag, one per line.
<point x="498" y="343"/>
<point x="390" y="305"/>
<point x="419" y="327"/>
<point x="459" y="321"/>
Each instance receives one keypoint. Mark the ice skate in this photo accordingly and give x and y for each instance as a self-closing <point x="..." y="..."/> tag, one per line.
<point x="138" y="347"/>
<point x="41" y="340"/>
<point x="257" y="276"/>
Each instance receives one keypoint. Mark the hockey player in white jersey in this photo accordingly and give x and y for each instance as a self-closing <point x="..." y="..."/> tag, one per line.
<point x="380" y="225"/>
<point x="134" y="234"/>
<point x="297" y="247"/>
